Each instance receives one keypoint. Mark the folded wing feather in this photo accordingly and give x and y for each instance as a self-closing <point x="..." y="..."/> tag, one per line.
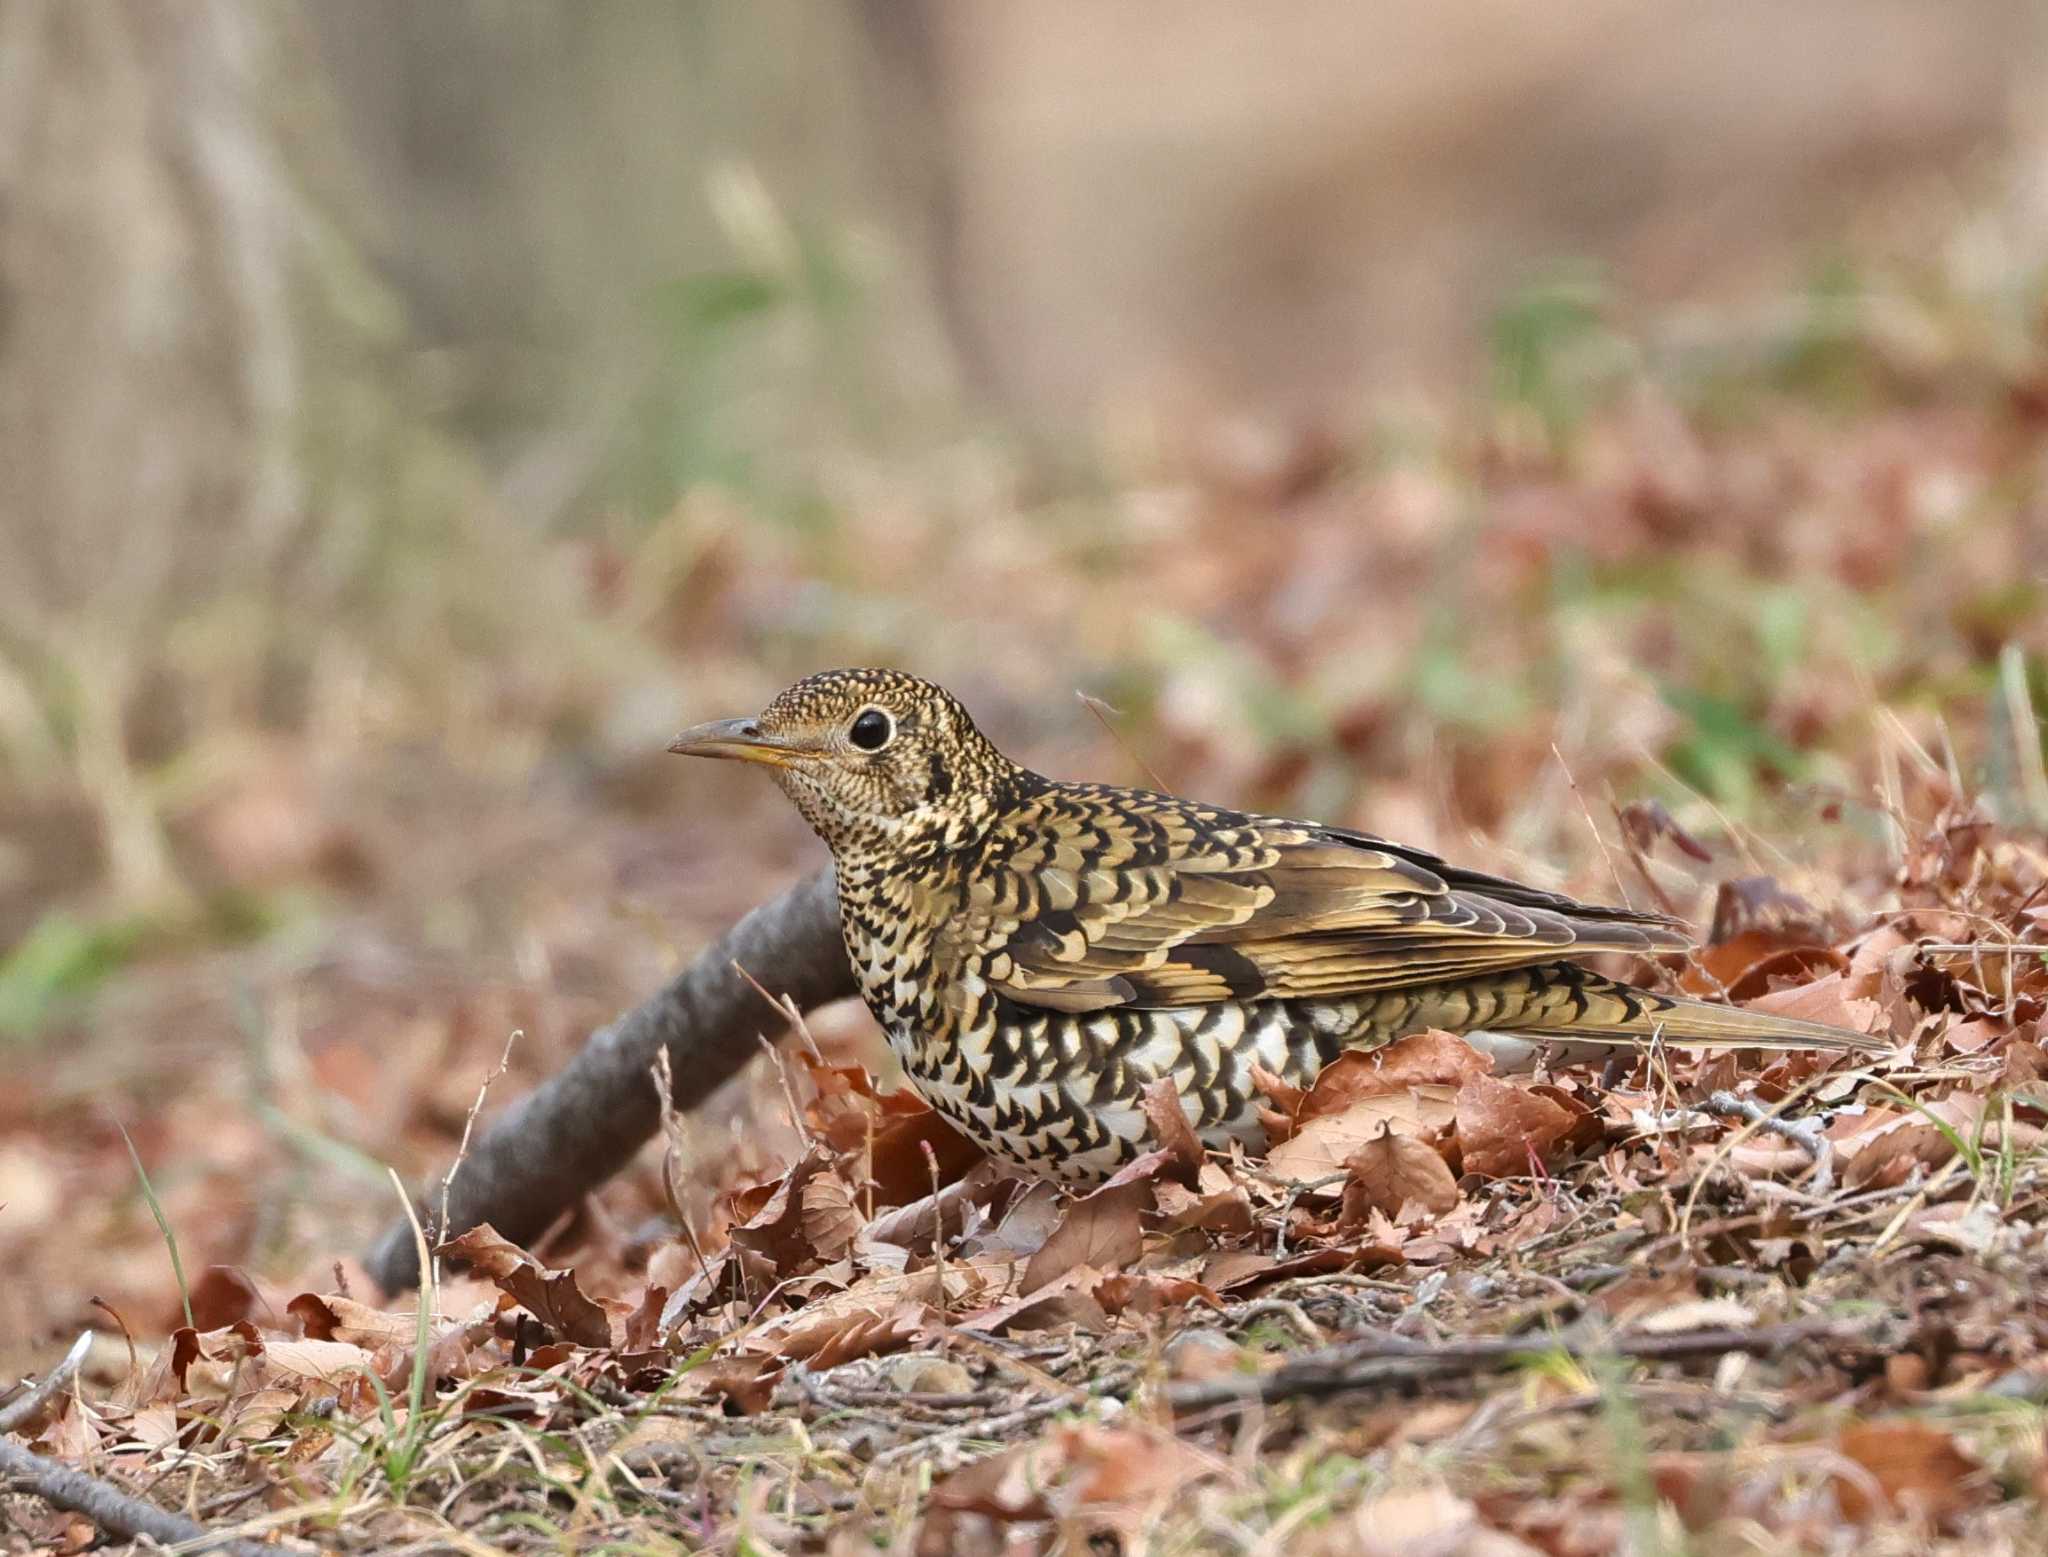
<point x="1215" y="905"/>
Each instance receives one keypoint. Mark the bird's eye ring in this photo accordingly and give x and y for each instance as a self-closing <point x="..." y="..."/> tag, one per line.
<point x="872" y="729"/>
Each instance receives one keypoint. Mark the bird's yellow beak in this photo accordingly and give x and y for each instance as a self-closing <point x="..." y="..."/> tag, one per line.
<point x="741" y="740"/>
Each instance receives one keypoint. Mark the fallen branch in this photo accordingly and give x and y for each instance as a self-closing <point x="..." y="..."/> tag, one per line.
<point x="1383" y="1360"/>
<point x="114" y="1511"/>
<point x="584" y="1124"/>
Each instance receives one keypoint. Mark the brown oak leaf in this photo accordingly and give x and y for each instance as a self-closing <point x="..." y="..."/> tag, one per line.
<point x="1504" y="1131"/>
<point x="551" y="1296"/>
<point x="1395" y="1173"/>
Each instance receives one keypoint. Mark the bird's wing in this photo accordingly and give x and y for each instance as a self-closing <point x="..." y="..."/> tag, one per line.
<point x="1099" y="897"/>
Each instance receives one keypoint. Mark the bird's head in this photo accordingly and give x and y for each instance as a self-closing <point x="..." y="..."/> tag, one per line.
<point x="871" y="757"/>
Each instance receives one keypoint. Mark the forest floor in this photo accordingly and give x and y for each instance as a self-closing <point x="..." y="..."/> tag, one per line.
<point x="1753" y="630"/>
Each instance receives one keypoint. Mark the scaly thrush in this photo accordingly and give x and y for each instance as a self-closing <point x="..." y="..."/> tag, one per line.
<point x="1039" y="952"/>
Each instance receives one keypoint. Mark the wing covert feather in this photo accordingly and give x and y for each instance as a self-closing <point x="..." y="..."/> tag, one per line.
<point x="1104" y="897"/>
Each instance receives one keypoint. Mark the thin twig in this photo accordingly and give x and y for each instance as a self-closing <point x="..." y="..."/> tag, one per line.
<point x="663" y="1076"/>
<point x="18" y="1411"/>
<point x="1295" y="1188"/>
<point x="787" y="1009"/>
<point x="1594" y="828"/>
<point x="1806" y="1134"/>
<point x="1102" y="711"/>
<point x="1387" y="1359"/>
<point x="1280" y="1308"/>
<point x="1109" y="1386"/>
<point x="114" y="1511"/>
<point x="468" y="1125"/>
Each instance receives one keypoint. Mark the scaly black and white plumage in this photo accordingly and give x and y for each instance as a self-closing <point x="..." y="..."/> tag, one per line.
<point x="1040" y="952"/>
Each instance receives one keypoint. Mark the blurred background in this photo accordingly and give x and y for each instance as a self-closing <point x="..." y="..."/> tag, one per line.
<point x="1454" y="420"/>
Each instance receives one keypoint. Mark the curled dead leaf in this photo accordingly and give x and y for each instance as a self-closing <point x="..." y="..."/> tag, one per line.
<point x="1151" y="1292"/>
<point x="1324" y="1144"/>
<point x="1102" y="1482"/>
<point x="1430" y="1058"/>
<point x="1505" y="1131"/>
<point x="1103" y="1230"/>
<point x="1645" y="821"/>
<point x="337" y="1318"/>
<point x="1217" y="1204"/>
<point x="1757" y="905"/>
<point x="829" y="1217"/>
<point x="1172" y="1130"/>
<point x="1399" y="1176"/>
<point x="552" y="1297"/>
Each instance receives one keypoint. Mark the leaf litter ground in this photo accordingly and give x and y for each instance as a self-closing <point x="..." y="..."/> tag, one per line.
<point x="1674" y="1304"/>
<point x="1474" y="1299"/>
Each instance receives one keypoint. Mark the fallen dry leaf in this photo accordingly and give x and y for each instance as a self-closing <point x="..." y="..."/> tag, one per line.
<point x="1506" y="1131"/>
<point x="1102" y="1483"/>
<point x="1150" y="1292"/>
<point x="829" y="1217"/>
<point x="1103" y="1230"/>
<point x="899" y="1169"/>
<point x="1397" y="1175"/>
<point x="827" y="1334"/>
<point x="1067" y="1300"/>
<point x="552" y="1297"/>
<point x="1917" y="1468"/>
<point x="1237" y="1272"/>
<point x="222" y="1294"/>
<point x="1429" y="1058"/>
<point x="1323" y="1145"/>
<point x="1645" y="821"/>
<point x="1826" y="1000"/>
<point x="336" y="1318"/>
<point x="1421" y="1522"/>
<point x="1757" y="905"/>
<point x="326" y="1361"/>
<point x="851" y="1115"/>
<point x="1173" y="1131"/>
<point x="1217" y="1204"/>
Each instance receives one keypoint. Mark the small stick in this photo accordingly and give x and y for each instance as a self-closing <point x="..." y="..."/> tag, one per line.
<point x="1296" y="1188"/>
<point x="1281" y="1308"/>
<point x="1102" y="711"/>
<point x="787" y="1009"/>
<point x="1387" y="1359"/>
<point x="1593" y="827"/>
<point x="931" y="1162"/>
<point x="127" y="1335"/>
<point x="114" y="1511"/>
<point x="16" y="1412"/>
<point x="1957" y="948"/>
<point x="663" y="1076"/>
<point x="995" y="1427"/>
<point x="1806" y="1134"/>
<point x="469" y="1124"/>
<point x="1722" y="1152"/>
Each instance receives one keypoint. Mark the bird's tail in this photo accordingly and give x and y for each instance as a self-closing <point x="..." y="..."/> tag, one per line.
<point x="1564" y="1000"/>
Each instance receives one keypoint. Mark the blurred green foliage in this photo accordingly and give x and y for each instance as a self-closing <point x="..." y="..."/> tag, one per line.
<point x="63" y="959"/>
<point x="1556" y="353"/>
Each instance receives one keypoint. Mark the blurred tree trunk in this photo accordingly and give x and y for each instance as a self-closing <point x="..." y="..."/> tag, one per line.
<point x="177" y="313"/>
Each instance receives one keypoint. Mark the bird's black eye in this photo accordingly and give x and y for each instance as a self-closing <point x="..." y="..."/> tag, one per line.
<point x="871" y="730"/>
